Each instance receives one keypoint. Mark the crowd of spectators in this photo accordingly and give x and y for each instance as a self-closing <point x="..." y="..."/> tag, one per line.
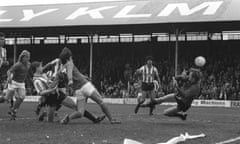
<point x="220" y="80"/>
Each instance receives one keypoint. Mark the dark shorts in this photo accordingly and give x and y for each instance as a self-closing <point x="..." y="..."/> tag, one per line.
<point x="147" y="86"/>
<point x="182" y="106"/>
<point x="54" y="99"/>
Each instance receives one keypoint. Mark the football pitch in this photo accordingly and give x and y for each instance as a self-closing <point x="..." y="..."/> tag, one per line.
<point x="218" y="124"/>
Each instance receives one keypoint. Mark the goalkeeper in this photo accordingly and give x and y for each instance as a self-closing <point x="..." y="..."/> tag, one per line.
<point x="183" y="96"/>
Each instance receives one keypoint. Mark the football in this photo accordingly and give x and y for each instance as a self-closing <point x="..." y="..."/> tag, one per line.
<point x="200" y="61"/>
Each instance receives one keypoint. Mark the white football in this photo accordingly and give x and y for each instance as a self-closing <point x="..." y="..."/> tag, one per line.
<point x="200" y="61"/>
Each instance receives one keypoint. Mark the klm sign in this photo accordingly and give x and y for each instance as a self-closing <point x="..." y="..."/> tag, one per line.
<point x="124" y="12"/>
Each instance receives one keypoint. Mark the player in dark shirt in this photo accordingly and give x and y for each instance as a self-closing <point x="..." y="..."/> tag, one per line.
<point x="83" y="89"/>
<point x="184" y="95"/>
<point x="16" y="81"/>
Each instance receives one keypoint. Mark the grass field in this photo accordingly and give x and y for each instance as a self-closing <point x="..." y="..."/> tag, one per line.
<point x="219" y="124"/>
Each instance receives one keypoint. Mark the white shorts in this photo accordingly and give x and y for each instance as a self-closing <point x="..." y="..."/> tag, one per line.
<point x="16" y="85"/>
<point x="86" y="90"/>
<point x="18" y="88"/>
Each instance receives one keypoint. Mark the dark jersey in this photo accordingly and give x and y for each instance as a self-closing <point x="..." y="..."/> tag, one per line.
<point x="186" y="95"/>
<point x="19" y="71"/>
<point x="73" y="74"/>
<point x="189" y="92"/>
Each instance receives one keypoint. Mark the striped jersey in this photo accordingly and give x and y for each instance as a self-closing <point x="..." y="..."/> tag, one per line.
<point x="3" y="53"/>
<point x="148" y="73"/>
<point x="52" y="69"/>
<point x="40" y="83"/>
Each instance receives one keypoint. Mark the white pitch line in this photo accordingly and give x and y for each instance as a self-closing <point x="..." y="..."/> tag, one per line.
<point x="229" y="141"/>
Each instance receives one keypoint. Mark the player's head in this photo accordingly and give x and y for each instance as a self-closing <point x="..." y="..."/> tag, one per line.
<point x="24" y="57"/>
<point x="149" y="60"/>
<point x="62" y="79"/>
<point x="36" y="67"/>
<point x="194" y="75"/>
<point x="2" y="39"/>
<point x="65" y="55"/>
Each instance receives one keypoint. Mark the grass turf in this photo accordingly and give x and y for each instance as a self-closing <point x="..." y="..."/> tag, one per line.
<point x="218" y="124"/>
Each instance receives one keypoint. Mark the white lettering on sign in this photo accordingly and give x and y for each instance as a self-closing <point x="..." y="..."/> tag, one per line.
<point x="94" y="13"/>
<point x="29" y="14"/>
<point x="4" y="20"/>
<point x="211" y="8"/>
<point x="124" y="13"/>
<point x="16" y="17"/>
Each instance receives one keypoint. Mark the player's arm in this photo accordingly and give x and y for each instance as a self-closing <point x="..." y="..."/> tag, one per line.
<point x="181" y="77"/>
<point x="138" y="72"/>
<point x="48" y="91"/>
<point x="190" y="92"/>
<point x="69" y="69"/>
<point x="86" y="77"/>
<point x="50" y="64"/>
<point x="5" y="55"/>
<point x="157" y="77"/>
<point x="11" y="71"/>
<point x="40" y="89"/>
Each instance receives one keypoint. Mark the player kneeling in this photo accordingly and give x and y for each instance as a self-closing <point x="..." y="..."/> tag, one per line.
<point x="184" y="96"/>
<point x="53" y="94"/>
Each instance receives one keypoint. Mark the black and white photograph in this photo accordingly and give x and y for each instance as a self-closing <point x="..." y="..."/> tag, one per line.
<point x="119" y="72"/>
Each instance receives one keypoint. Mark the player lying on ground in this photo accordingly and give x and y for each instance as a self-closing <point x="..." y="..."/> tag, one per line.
<point x="147" y="74"/>
<point x="16" y="82"/>
<point x="184" y="96"/>
<point x="53" y="94"/>
<point x="83" y="89"/>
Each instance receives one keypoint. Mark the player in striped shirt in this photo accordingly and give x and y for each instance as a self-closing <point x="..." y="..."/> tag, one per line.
<point x="3" y="51"/>
<point x="3" y="61"/>
<point x="53" y="93"/>
<point x="147" y="74"/>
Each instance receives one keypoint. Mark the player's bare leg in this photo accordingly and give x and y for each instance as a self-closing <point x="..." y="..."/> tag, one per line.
<point x="152" y="98"/>
<point x="19" y="99"/>
<point x="40" y="105"/>
<point x="68" y="102"/>
<point x="174" y="112"/>
<point x="159" y="100"/>
<point x="98" y="99"/>
<point x="51" y="113"/>
<point x="2" y="99"/>
<point x="141" y="99"/>
<point x="10" y="93"/>
<point x="77" y="114"/>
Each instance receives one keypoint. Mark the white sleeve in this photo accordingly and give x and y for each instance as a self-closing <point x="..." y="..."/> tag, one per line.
<point x="141" y="69"/>
<point x="155" y="70"/>
<point x="38" y="86"/>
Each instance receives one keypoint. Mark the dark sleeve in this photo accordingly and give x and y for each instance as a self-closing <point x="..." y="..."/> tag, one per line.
<point x="14" y="68"/>
<point x="181" y="77"/>
<point x="192" y="91"/>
